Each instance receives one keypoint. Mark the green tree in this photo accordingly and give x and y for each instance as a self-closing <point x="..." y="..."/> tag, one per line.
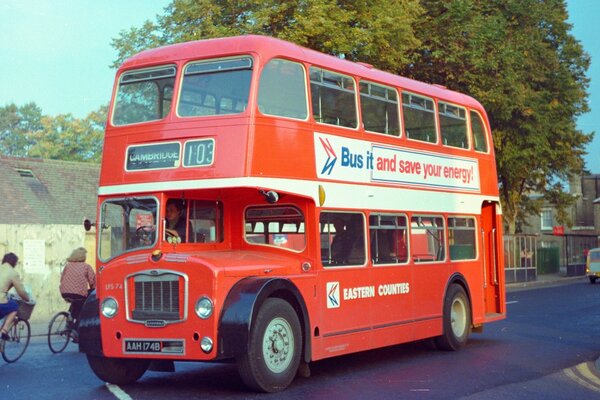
<point x="26" y="132"/>
<point x="518" y="58"/>
<point x="17" y="127"/>
<point x="67" y="138"/>
<point x="373" y="31"/>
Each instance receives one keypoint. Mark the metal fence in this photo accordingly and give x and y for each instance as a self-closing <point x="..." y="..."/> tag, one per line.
<point x="520" y="258"/>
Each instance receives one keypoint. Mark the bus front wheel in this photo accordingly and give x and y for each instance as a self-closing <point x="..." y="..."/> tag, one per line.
<point x="273" y="355"/>
<point x="457" y="320"/>
<point x="119" y="371"/>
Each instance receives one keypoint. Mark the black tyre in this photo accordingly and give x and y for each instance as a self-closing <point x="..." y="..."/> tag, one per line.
<point x="59" y="332"/>
<point x="274" y="346"/>
<point x="457" y="320"/>
<point x="19" y="335"/>
<point x="592" y="279"/>
<point x="120" y="371"/>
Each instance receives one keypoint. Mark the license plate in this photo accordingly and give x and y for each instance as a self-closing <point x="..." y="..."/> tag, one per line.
<point x="154" y="346"/>
<point x="143" y="346"/>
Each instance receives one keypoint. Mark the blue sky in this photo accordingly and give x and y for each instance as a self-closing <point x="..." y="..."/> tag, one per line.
<point x="583" y="15"/>
<point x="57" y="53"/>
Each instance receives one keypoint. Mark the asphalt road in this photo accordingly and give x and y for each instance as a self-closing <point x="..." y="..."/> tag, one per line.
<point x="545" y="349"/>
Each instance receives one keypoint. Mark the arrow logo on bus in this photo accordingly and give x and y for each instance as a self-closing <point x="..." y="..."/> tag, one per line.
<point x="331" y="157"/>
<point x="333" y="294"/>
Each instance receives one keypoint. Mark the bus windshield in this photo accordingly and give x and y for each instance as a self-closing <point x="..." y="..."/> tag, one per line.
<point x="144" y="95"/>
<point x="215" y="87"/>
<point x="126" y="224"/>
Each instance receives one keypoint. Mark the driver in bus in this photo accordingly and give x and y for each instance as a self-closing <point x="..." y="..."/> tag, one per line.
<point x="175" y="219"/>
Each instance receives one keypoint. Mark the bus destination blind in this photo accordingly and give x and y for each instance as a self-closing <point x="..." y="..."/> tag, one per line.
<point x="197" y="153"/>
<point x="153" y="156"/>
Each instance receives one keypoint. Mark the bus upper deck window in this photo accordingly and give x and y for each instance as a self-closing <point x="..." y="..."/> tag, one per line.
<point x="479" y="136"/>
<point x="282" y="90"/>
<point x="333" y="98"/>
<point x="453" y="125"/>
<point x="419" y="117"/>
<point x="144" y="95"/>
<point x="215" y="87"/>
<point x="379" y="108"/>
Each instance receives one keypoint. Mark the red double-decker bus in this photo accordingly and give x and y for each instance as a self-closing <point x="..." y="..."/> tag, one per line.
<point x="264" y="202"/>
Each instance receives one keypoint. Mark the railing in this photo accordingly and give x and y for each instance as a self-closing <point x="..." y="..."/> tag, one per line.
<point x="520" y="258"/>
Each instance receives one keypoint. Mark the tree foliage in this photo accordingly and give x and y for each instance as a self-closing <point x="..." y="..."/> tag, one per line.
<point x="517" y="57"/>
<point x="25" y="132"/>
<point x="372" y="31"/>
<point x="17" y="126"/>
<point x="519" y="60"/>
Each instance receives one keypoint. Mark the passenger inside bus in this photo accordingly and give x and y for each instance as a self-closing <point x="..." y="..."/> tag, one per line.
<point x="347" y="246"/>
<point x="341" y="244"/>
<point x="400" y="251"/>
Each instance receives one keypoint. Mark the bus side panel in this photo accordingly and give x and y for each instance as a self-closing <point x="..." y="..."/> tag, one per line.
<point x="345" y="296"/>
<point x="430" y="281"/>
<point x="283" y="148"/>
<point x="393" y="312"/>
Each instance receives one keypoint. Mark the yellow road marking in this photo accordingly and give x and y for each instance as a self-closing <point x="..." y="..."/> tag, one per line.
<point x="584" y="376"/>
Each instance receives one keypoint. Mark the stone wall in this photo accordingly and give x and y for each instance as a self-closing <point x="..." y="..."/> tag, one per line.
<point x="42" y="251"/>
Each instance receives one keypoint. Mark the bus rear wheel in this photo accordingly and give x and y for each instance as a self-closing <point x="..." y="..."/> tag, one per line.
<point x="457" y="320"/>
<point x="273" y="355"/>
<point x="119" y="371"/>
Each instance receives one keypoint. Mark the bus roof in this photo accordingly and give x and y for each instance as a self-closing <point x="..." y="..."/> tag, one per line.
<point x="268" y="47"/>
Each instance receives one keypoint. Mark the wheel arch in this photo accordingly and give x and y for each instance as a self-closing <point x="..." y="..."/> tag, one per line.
<point x="458" y="279"/>
<point x="90" y="341"/>
<point x="242" y="305"/>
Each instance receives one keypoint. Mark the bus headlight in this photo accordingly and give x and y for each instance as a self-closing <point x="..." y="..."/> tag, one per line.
<point x="109" y="307"/>
<point x="206" y="344"/>
<point x="204" y="307"/>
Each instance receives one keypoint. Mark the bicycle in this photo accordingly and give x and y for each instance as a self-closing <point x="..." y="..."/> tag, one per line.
<point x="60" y="330"/>
<point x="19" y="334"/>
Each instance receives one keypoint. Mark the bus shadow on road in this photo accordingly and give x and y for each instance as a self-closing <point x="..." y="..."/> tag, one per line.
<point x="221" y="380"/>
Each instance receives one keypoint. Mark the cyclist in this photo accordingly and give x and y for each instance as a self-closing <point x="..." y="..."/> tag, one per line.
<point x="9" y="278"/>
<point x="76" y="281"/>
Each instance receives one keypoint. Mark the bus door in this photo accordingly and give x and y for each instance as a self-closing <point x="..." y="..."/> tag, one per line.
<point x="344" y="284"/>
<point x="491" y="239"/>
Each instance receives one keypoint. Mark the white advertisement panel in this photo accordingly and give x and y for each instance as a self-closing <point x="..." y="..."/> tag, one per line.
<point x="360" y="161"/>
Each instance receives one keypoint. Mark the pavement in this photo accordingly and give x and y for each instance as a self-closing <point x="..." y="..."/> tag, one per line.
<point x="544" y="280"/>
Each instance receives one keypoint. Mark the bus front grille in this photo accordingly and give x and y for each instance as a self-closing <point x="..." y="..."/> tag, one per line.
<point x="157" y="297"/>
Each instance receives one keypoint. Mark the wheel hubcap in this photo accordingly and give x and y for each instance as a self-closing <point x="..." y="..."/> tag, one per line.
<point x="458" y="317"/>
<point x="278" y="345"/>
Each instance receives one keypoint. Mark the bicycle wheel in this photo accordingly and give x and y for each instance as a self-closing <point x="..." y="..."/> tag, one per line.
<point x="15" y="346"/>
<point x="59" y="332"/>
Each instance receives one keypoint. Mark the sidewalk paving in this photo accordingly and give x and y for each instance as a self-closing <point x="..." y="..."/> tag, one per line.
<point x="544" y="280"/>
